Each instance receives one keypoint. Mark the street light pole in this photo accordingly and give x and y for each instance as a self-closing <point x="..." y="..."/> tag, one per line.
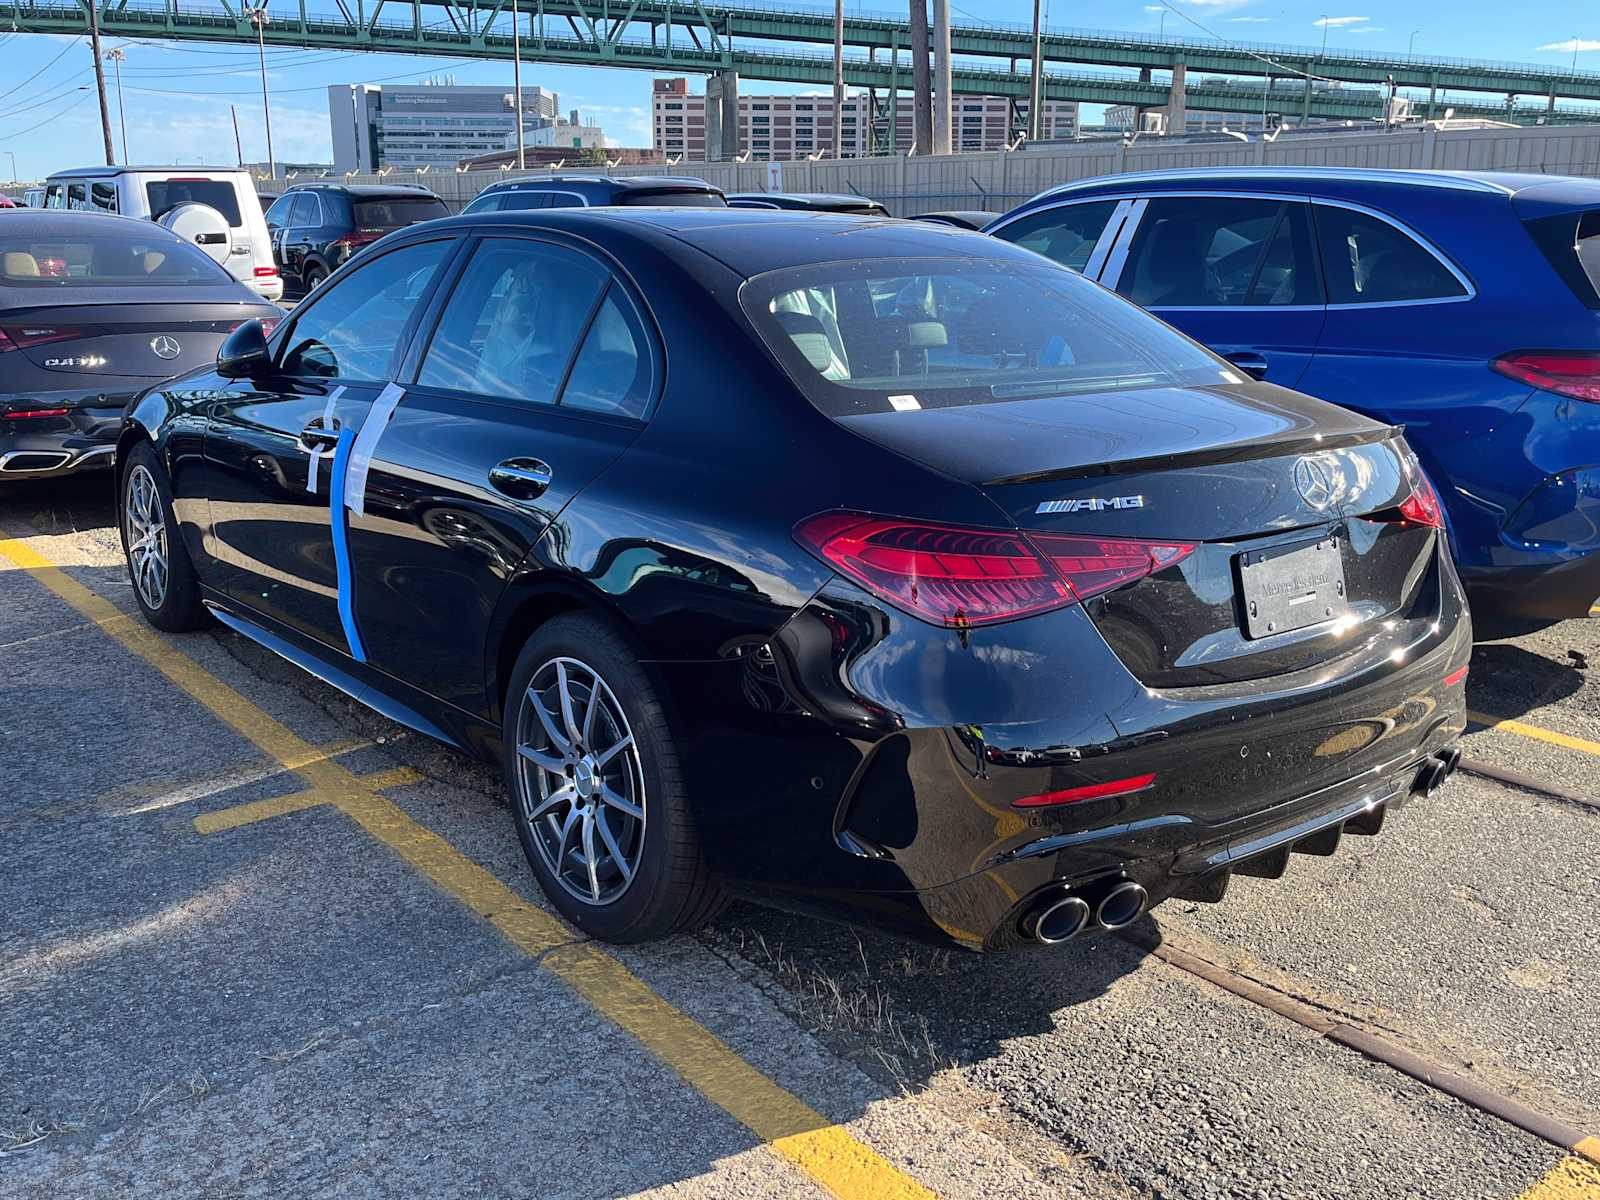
<point x="116" y="55"/>
<point x="258" y="17"/>
<point x="1035" y="82"/>
<point x="516" y="81"/>
<point x="100" y="80"/>
<point x="838" y="79"/>
<point x="1411" y="43"/>
<point x="1324" y="53"/>
<point x="12" y="155"/>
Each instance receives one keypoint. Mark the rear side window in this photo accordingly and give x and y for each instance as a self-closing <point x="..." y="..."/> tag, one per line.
<point x="612" y="373"/>
<point x="1067" y="234"/>
<point x="1368" y="261"/>
<point x="103" y="197"/>
<point x="1571" y="241"/>
<point x="351" y="330"/>
<point x="512" y="323"/>
<point x="396" y="212"/>
<point x="166" y="194"/>
<point x="1220" y="252"/>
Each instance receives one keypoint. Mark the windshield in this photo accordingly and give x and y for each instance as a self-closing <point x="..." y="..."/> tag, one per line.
<point x="901" y="334"/>
<point x="114" y="260"/>
<point x="396" y="212"/>
<point x="166" y="194"/>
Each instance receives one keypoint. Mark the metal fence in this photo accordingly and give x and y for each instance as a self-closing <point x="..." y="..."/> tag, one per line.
<point x="998" y="180"/>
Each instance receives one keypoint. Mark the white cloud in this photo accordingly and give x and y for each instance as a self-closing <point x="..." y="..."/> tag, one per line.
<point x="1338" y="22"/>
<point x="624" y="124"/>
<point x="1249" y="20"/>
<point x="1572" y="45"/>
<point x="1366" y="29"/>
<point x="1155" y="8"/>
<point x="1214" y="5"/>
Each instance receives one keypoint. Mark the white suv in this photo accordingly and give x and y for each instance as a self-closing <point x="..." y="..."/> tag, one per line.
<point x="216" y="209"/>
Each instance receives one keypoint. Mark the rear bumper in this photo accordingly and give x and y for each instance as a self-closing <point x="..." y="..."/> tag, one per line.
<point x="48" y="447"/>
<point x="893" y="754"/>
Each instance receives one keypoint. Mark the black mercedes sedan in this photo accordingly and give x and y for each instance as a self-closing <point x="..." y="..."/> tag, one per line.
<point x="868" y="568"/>
<point x="93" y="309"/>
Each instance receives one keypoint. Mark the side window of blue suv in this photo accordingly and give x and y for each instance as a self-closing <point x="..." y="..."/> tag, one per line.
<point x="1219" y="252"/>
<point x="1369" y="261"/>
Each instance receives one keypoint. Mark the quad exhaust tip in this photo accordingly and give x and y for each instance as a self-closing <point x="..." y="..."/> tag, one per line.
<point x="1435" y="771"/>
<point x="1057" y="921"/>
<point x="1122" y="906"/>
<point x="1062" y="917"/>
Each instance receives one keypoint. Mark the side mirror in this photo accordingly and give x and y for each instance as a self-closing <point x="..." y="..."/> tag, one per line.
<point x="243" y="352"/>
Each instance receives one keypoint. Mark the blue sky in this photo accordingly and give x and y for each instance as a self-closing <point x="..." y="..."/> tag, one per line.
<point x="177" y="97"/>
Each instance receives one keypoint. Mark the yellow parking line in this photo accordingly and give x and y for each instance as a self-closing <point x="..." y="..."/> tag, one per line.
<point x="276" y="806"/>
<point x="827" y="1152"/>
<point x="1536" y="732"/>
<point x="1569" y="1179"/>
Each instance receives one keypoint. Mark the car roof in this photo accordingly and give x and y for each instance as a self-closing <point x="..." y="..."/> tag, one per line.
<point x="840" y="198"/>
<point x="1502" y="183"/>
<point x="655" y="183"/>
<point x="55" y="222"/>
<point x="752" y="241"/>
<point x="98" y="172"/>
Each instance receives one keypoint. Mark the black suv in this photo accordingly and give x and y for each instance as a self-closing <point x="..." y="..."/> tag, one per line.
<point x="596" y="191"/>
<point x="316" y="227"/>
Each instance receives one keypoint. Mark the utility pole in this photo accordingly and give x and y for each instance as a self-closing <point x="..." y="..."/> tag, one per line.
<point x="116" y="55"/>
<point x="238" y="146"/>
<point x="921" y="87"/>
<point x="838" y="79"/>
<point x="100" y="80"/>
<point x="942" y="139"/>
<point x="1035" y="83"/>
<point x="516" y="81"/>
<point x="257" y="16"/>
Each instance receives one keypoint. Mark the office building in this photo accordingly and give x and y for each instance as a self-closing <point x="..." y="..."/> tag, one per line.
<point x="793" y="127"/>
<point x="426" y="125"/>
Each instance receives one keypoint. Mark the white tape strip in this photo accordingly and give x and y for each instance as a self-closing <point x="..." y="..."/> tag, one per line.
<point x="327" y="423"/>
<point x="355" y="479"/>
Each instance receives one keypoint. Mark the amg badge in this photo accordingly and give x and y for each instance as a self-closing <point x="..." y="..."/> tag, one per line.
<point x="1092" y="504"/>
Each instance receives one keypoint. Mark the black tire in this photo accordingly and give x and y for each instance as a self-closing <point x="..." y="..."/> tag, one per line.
<point x="178" y="608"/>
<point x="670" y="888"/>
<point x="313" y="276"/>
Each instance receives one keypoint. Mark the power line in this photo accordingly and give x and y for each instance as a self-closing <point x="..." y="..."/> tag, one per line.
<point x="52" y="117"/>
<point x="74" y="42"/>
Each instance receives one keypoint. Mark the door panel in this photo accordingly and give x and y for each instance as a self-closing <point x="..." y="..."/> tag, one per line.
<point x="271" y="522"/>
<point x="1236" y="273"/>
<point x="482" y="453"/>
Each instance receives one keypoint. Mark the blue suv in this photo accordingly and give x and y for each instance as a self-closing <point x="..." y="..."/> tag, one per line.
<point x="1463" y="306"/>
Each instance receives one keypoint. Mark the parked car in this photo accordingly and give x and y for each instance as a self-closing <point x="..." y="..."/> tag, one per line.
<point x="317" y="227"/>
<point x="1459" y="305"/>
<point x="92" y="310"/>
<point x="589" y="191"/>
<point x="8" y="202"/>
<point x="964" y="219"/>
<point x="951" y="594"/>
<point x="809" y="202"/>
<point x="33" y="197"/>
<point x="213" y="207"/>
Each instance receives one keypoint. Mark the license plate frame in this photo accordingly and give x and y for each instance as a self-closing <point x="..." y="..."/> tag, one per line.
<point x="1291" y="587"/>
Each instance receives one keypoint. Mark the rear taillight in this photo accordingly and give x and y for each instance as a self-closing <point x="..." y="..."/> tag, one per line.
<point x="22" y="337"/>
<point x="268" y="324"/>
<point x="1422" y="507"/>
<point x="962" y="577"/>
<point x="266" y="272"/>
<point x="1574" y="373"/>
<point x="29" y="414"/>
<point x="53" y="268"/>
<point x="1459" y="675"/>
<point x="354" y="241"/>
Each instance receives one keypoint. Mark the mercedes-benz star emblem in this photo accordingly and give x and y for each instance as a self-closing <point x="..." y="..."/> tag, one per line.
<point x="165" y="347"/>
<point x="1319" y="481"/>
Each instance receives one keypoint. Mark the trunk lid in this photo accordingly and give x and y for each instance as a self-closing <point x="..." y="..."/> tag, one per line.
<point x="1285" y="506"/>
<point x="143" y="340"/>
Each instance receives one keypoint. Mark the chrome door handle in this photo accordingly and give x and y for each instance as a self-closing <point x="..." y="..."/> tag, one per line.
<point x="521" y="478"/>
<point x="316" y="437"/>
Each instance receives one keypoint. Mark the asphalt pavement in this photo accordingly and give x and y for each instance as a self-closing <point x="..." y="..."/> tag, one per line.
<point x="257" y="941"/>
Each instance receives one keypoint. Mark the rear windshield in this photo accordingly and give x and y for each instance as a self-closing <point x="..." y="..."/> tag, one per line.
<point x="674" y="199"/>
<point x="120" y="260"/>
<point x="398" y="211"/>
<point x="900" y="334"/>
<point x="166" y="194"/>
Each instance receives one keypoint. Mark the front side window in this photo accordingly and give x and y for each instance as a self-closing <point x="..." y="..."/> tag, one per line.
<point x="1067" y="234"/>
<point x="1368" y="261"/>
<point x="278" y="214"/>
<point x="897" y="334"/>
<point x="352" y="329"/>
<point x="77" y="196"/>
<point x="513" y="321"/>
<point x="1220" y="251"/>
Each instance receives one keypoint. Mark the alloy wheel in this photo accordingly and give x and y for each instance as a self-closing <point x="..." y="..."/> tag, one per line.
<point x="146" y="527"/>
<point x="580" y="781"/>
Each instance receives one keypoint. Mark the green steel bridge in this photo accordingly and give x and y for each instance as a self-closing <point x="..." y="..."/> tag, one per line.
<point x="794" y="46"/>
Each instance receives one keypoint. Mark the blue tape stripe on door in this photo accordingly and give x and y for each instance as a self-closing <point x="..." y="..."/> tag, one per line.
<point x="341" y="545"/>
